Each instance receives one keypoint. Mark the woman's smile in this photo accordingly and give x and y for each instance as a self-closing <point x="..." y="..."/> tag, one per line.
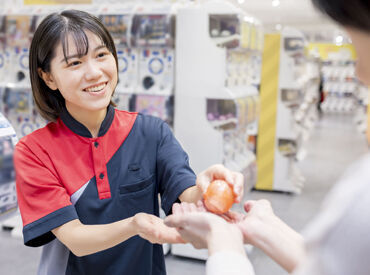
<point x="97" y="89"/>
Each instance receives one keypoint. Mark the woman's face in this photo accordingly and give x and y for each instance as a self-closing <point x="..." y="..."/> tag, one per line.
<point x="86" y="83"/>
<point x="361" y="42"/>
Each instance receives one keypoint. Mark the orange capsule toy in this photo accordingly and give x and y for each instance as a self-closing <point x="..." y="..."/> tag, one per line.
<point x="219" y="197"/>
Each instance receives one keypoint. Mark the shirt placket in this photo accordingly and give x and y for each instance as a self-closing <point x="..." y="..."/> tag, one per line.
<point x="100" y="169"/>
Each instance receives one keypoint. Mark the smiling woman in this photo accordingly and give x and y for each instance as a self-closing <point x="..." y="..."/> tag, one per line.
<point x="59" y="38"/>
<point x="88" y="182"/>
<point x="92" y="78"/>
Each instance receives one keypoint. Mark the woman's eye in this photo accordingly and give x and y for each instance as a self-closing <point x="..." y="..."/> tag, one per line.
<point x="102" y="54"/>
<point x="74" y="63"/>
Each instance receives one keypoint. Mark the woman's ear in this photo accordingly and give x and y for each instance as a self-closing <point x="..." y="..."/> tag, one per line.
<point x="48" y="79"/>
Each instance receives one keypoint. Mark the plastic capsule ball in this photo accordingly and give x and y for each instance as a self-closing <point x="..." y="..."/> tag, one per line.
<point x="219" y="197"/>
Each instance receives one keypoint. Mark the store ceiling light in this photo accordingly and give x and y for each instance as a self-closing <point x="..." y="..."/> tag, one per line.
<point x="249" y="19"/>
<point x="339" y="40"/>
<point x="278" y="27"/>
<point x="275" y="3"/>
<point x="241" y="1"/>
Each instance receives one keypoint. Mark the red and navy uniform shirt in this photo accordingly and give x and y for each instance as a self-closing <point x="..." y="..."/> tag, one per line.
<point x="62" y="174"/>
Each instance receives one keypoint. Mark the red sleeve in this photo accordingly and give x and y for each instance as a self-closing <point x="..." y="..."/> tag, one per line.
<point x="39" y="191"/>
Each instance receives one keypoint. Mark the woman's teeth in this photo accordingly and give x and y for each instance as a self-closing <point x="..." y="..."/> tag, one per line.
<point x="96" y="88"/>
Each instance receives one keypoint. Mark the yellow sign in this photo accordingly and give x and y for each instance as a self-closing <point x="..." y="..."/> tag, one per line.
<point x="56" y="2"/>
<point x="325" y="49"/>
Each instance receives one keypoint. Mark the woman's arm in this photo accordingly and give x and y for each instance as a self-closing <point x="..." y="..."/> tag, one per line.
<point x="83" y="239"/>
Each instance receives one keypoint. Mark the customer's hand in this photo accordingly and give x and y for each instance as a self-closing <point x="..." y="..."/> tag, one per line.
<point x="263" y="229"/>
<point x="205" y="230"/>
<point x="258" y="218"/>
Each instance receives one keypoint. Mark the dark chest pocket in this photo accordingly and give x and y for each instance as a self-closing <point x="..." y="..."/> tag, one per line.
<point x="138" y="196"/>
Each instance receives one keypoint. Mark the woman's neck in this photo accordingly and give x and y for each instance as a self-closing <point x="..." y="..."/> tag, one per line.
<point x="92" y="120"/>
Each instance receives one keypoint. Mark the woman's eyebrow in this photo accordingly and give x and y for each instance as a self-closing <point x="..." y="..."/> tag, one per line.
<point x="77" y="55"/>
<point x="99" y="47"/>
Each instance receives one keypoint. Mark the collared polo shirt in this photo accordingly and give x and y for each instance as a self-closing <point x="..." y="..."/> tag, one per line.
<point x="63" y="173"/>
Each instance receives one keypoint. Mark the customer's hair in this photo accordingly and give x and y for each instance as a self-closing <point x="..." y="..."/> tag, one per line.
<point x="350" y="13"/>
<point x="55" y="29"/>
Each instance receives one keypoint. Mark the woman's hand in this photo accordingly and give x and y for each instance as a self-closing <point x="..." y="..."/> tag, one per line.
<point x="154" y="230"/>
<point x="220" y="172"/>
<point x="214" y="172"/>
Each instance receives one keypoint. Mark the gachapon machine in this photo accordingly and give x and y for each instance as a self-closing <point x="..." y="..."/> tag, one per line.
<point x="118" y="19"/>
<point x="152" y="36"/>
<point x="212" y="93"/>
<point x="8" y="197"/>
<point x="17" y="107"/>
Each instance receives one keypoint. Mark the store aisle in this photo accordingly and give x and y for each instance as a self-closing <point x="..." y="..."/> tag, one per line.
<point x="334" y="144"/>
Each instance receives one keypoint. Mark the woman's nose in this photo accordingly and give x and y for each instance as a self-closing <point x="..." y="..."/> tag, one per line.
<point x="93" y="71"/>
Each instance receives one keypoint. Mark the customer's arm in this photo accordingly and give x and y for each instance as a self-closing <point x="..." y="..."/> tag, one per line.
<point x="263" y="229"/>
<point x="259" y="227"/>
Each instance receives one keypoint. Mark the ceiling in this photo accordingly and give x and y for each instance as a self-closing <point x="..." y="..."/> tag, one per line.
<point x="297" y="13"/>
<point x="289" y="11"/>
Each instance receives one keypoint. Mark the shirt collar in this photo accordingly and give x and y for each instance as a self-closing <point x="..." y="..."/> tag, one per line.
<point x="80" y="129"/>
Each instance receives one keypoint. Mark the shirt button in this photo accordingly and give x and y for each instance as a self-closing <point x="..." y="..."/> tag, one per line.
<point x="101" y="176"/>
<point x="96" y="144"/>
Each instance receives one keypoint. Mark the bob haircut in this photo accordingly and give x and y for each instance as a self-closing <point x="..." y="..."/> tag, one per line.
<point x="349" y="13"/>
<point x="54" y="29"/>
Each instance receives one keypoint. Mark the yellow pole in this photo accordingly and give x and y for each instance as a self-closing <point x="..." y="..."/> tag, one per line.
<point x="268" y="110"/>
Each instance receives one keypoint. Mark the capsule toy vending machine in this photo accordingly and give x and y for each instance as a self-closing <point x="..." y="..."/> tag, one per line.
<point x="38" y="14"/>
<point x="152" y="36"/>
<point x="4" y="55"/>
<point x="307" y="113"/>
<point x="243" y="69"/>
<point x="5" y="61"/>
<point x="117" y="19"/>
<point x="340" y="84"/>
<point x="19" y="32"/>
<point x="16" y="97"/>
<point x="212" y="93"/>
<point x="8" y="197"/>
<point x="8" y="138"/>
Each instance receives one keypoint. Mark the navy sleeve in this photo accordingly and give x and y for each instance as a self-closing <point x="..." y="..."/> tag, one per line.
<point x="173" y="171"/>
<point x="39" y="232"/>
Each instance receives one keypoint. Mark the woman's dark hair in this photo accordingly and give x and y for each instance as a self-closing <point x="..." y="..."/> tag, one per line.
<point x="350" y="13"/>
<point x="54" y="29"/>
